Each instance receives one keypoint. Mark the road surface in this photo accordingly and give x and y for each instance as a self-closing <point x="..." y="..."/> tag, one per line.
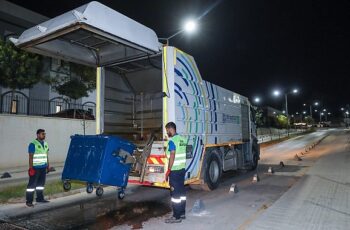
<point x="251" y="207"/>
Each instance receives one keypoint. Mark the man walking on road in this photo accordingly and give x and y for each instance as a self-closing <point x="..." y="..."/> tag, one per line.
<point x="176" y="154"/>
<point x="38" y="151"/>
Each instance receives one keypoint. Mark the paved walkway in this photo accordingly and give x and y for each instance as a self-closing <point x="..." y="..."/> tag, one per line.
<point x="321" y="199"/>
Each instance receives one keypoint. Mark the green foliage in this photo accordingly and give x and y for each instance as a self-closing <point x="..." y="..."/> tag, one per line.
<point x="309" y="120"/>
<point x="18" y="68"/>
<point x="259" y="119"/>
<point x="281" y="121"/>
<point x="81" y="81"/>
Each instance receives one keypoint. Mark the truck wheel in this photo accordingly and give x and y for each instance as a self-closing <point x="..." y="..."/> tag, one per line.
<point x="255" y="161"/>
<point x="89" y="188"/>
<point x="99" y="191"/>
<point x="66" y="186"/>
<point x="212" y="172"/>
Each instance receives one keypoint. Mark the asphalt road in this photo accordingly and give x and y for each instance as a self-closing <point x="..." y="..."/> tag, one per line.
<point x="147" y="208"/>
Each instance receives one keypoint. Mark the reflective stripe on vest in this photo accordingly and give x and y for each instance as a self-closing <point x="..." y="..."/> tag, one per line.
<point x="40" y="154"/>
<point x="180" y="152"/>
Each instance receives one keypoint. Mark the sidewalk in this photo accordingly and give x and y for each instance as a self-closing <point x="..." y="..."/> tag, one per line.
<point x="321" y="199"/>
<point x="20" y="175"/>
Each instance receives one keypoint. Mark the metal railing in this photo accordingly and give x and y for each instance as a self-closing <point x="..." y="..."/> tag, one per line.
<point x="19" y="103"/>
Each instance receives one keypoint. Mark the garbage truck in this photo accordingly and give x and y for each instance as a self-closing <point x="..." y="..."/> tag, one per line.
<point x="142" y="85"/>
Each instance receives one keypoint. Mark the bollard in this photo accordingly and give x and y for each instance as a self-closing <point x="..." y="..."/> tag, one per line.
<point x="297" y="158"/>
<point x="256" y="178"/>
<point x="281" y="164"/>
<point x="233" y="189"/>
<point x="270" y="170"/>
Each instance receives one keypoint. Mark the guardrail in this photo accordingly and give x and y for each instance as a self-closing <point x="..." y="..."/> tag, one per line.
<point x="277" y="136"/>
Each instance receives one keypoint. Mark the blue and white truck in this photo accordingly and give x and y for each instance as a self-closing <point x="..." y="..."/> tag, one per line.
<point x="143" y="84"/>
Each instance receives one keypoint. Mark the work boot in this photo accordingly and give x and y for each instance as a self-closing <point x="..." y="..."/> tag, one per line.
<point x="42" y="201"/>
<point x="172" y="220"/>
<point x="30" y="204"/>
<point x="183" y="217"/>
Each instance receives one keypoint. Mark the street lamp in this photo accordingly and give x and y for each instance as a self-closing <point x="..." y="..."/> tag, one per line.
<point x="257" y="99"/>
<point x="189" y="27"/>
<point x="277" y="93"/>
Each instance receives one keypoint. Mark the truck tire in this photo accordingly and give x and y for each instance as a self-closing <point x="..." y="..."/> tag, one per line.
<point x="212" y="171"/>
<point x="66" y="186"/>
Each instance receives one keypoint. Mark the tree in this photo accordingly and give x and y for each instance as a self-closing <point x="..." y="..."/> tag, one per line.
<point x="281" y="121"/>
<point x="18" y="68"/>
<point x="81" y="81"/>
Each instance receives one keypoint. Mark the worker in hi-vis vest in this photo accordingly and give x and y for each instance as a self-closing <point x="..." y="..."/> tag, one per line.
<point x="176" y="154"/>
<point x="38" y="151"/>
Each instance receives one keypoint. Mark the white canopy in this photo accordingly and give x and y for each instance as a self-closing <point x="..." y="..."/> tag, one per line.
<point x="92" y="34"/>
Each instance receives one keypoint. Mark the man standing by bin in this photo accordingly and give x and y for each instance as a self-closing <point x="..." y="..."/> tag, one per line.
<point x="176" y="154"/>
<point x="38" y="167"/>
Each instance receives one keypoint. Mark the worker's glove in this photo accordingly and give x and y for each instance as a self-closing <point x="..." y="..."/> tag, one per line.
<point x="48" y="169"/>
<point x="31" y="171"/>
<point x="167" y="175"/>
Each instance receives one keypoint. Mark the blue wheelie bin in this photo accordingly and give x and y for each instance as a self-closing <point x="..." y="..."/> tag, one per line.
<point x="98" y="160"/>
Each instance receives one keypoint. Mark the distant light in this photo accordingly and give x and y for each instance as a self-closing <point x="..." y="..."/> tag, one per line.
<point x="324" y="110"/>
<point x="316" y="103"/>
<point x="329" y="113"/>
<point x="190" y="26"/>
<point x="347" y="112"/>
<point x="295" y="90"/>
<point x="342" y="109"/>
<point x="316" y="110"/>
<point x="274" y="112"/>
<point x="304" y="112"/>
<point x="296" y="113"/>
<point x="304" y="104"/>
<point x="283" y="112"/>
<point x="276" y="92"/>
<point x="292" y="115"/>
<point x="322" y="114"/>
<point x="257" y="99"/>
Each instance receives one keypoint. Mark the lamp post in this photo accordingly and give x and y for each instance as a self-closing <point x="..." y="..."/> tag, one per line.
<point x="189" y="27"/>
<point x="277" y="93"/>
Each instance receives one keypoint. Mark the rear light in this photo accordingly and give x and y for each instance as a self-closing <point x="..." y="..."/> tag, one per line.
<point x="155" y="169"/>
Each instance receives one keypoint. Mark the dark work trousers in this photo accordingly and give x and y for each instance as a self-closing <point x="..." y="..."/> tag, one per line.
<point x="36" y="183"/>
<point x="178" y="192"/>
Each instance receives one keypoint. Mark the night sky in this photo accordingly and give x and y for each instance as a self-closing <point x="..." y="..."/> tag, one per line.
<point x="252" y="47"/>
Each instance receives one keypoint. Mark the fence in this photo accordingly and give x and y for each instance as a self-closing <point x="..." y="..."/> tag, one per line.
<point x="19" y="103"/>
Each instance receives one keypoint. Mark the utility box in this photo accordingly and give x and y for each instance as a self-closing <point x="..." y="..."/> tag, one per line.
<point x="98" y="160"/>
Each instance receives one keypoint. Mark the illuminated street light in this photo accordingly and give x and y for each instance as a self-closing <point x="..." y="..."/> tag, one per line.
<point x="304" y="104"/>
<point x="342" y="109"/>
<point x="316" y="103"/>
<point x="283" y="111"/>
<point x="304" y="112"/>
<point x="296" y="113"/>
<point x="276" y="93"/>
<point x="324" y="110"/>
<point x="329" y="113"/>
<point x="189" y="27"/>
<point x="295" y="90"/>
<point x="257" y="99"/>
<point x="316" y="110"/>
<point x="347" y="112"/>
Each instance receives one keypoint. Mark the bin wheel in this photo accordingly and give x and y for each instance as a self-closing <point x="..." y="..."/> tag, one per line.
<point x="99" y="191"/>
<point x="121" y="194"/>
<point x="89" y="188"/>
<point x="66" y="186"/>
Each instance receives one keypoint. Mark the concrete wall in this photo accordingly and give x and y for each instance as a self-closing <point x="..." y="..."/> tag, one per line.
<point x="16" y="132"/>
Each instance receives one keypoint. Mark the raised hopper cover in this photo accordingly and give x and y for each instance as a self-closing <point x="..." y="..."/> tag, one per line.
<point x="92" y="34"/>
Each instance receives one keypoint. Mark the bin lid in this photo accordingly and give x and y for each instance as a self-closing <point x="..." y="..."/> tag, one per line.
<point x="92" y="34"/>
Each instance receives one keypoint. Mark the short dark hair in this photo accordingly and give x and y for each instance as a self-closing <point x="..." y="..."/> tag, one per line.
<point x="171" y="125"/>
<point x="40" y="131"/>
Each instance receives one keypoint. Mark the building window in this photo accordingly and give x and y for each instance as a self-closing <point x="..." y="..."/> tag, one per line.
<point x="58" y="108"/>
<point x="14" y="106"/>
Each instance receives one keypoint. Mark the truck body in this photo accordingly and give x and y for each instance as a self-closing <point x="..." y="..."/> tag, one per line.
<point x="142" y="85"/>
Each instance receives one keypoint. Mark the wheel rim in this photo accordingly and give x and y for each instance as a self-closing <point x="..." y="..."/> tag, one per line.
<point x="214" y="171"/>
